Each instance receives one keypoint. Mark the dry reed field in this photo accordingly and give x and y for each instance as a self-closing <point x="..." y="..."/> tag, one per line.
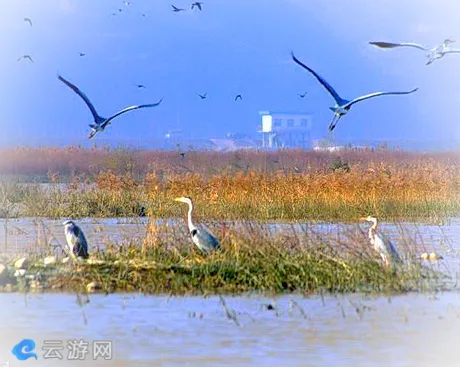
<point x="284" y="185"/>
<point x="247" y="187"/>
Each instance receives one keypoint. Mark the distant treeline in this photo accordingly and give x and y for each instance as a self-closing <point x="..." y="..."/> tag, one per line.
<point x="62" y="164"/>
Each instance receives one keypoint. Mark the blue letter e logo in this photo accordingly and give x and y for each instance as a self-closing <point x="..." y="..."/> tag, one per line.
<point x="24" y="349"/>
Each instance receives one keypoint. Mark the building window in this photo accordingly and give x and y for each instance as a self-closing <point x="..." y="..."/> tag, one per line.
<point x="290" y="122"/>
<point x="304" y="123"/>
<point x="277" y="122"/>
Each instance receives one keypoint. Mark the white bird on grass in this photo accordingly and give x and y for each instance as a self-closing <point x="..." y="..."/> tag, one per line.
<point x="76" y="241"/>
<point x="201" y="236"/>
<point x="382" y="244"/>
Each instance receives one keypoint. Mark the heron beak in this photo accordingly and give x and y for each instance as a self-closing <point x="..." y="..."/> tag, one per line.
<point x="178" y="199"/>
<point x="363" y="219"/>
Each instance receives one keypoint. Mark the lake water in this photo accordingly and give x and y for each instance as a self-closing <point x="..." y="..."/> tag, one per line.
<point x="354" y="329"/>
<point x="412" y="329"/>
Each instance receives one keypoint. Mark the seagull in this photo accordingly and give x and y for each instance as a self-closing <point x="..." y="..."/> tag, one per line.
<point x="343" y="106"/>
<point x="99" y="122"/>
<point x="28" y="20"/>
<point x="238" y="97"/>
<point x="176" y="9"/>
<point x="203" y="96"/>
<point x="81" y="53"/>
<point x="197" y="4"/>
<point x="302" y="95"/>
<point x="26" y="57"/>
<point x="432" y="54"/>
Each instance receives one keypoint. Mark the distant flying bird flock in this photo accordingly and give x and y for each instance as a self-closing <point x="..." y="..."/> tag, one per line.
<point x="202" y="237"/>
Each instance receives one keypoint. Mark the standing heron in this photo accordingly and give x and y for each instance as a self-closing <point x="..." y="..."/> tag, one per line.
<point x="100" y="123"/>
<point x="76" y="241"/>
<point x="434" y="53"/>
<point x="382" y="244"/>
<point x="201" y="236"/>
<point x="342" y="106"/>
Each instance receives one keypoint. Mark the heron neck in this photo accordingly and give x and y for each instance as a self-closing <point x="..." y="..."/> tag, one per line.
<point x="374" y="225"/>
<point x="189" y="217"/>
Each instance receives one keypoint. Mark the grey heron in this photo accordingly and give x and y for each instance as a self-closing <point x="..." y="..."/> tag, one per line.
<point x="26" y="57"/>
<point x="176" y="9"/>
<point x="434" y="53"/>
<point x="100" y="123"/>
<point x="28" y="20"/>
<point x="342" y="106"/>
<point x="197" y="4"/>
<point x="76" y="241"/>
<point x="238" y="97"/>
<point x="202" y="96"/>
<point x="201" y="236"/>
<point x="382" y="244"/>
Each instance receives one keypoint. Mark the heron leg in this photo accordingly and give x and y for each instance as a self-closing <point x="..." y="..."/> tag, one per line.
<point x="334" y="122"/>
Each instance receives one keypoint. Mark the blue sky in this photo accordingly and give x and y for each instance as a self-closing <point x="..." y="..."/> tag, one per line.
<point x="231" y="47"/>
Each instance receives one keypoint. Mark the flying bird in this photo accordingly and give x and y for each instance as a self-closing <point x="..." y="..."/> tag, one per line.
<point x="302" y="95"/>
<point x="382" y="244"/>
<point x="238" y="97"/>
<point x="203" y="96"/>
<point x="197" y="4"/>
<point x="342" y="106"/>
<point x="100" y="123"/>
<point x="434" y="53"/>
<point x="81" y="53"/>
<point x="140" y="86"/>
<point x="201" y="236"/>
<point x="127" y="3"/>
<point x="28" y="20"/>
<point x="76" y="241"/>
<point x="176" y="9"/>
<point x="26" y="57"/>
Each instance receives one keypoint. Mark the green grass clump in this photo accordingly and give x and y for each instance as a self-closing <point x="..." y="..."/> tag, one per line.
<point x="250" y="260"/>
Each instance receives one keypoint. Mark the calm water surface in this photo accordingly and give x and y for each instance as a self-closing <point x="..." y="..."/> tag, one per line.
<point x="412" y="329"/>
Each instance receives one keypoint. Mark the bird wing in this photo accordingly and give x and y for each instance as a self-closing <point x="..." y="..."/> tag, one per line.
<point x="135" y="107"/>
<point x="376" y="94"/>
<point x="205" y="239"/>
<point x="28" y="57"/>
<point x="81" y="243"/>
<point x="198" y="5"/>
<point x="238" y="96"/>
<point x="335" y="95"/>
<point x="176" y="8"/>
<point x="389" y="45"/>
<point x="451" y="51"/>
<point x="98" y="119"/>
<point x="28" y="20"/>
<point x="390" y="249"/>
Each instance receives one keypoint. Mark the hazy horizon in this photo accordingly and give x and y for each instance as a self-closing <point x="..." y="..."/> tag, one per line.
<point x="229" y="48"/>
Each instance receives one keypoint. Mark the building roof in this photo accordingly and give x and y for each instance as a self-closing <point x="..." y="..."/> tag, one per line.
<point x="267" y="112"/>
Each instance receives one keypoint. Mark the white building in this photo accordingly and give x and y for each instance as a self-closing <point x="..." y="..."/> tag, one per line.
<point x="286" y="129"/>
